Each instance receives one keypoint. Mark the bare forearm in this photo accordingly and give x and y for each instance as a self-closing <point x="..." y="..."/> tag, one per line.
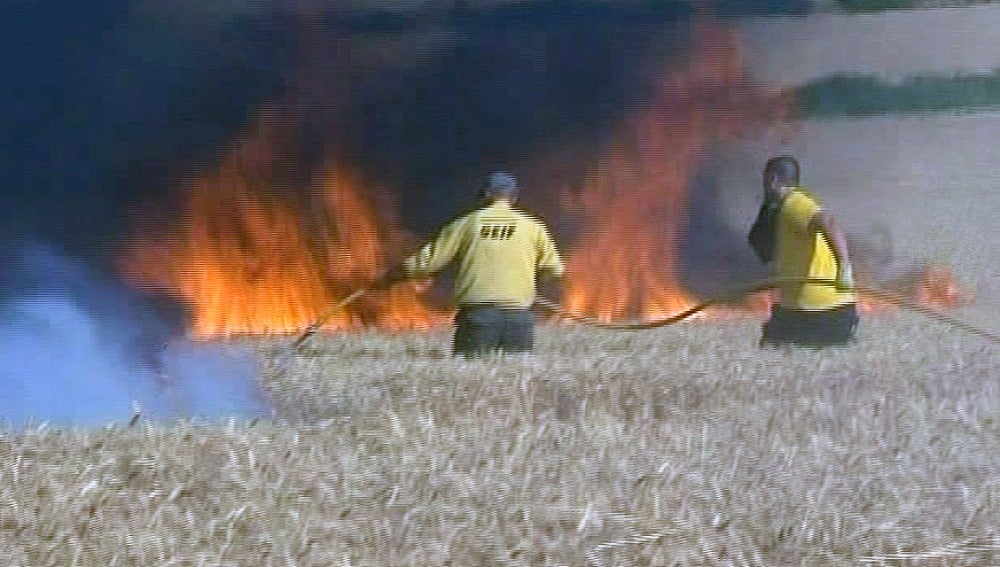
<point x="834" y="236"/>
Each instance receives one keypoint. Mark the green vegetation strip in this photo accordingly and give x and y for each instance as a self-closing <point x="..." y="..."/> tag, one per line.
<point x="865" y="95"/>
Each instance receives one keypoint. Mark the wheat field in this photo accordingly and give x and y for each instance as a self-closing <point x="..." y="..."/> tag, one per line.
<point x="681" y="446"/>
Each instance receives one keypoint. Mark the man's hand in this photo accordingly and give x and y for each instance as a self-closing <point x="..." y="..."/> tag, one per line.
<point x="548" y="275"/>
<point x="845" y="277"/>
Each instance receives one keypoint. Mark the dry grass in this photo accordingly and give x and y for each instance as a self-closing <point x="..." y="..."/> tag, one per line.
<point x="682" y="446"/>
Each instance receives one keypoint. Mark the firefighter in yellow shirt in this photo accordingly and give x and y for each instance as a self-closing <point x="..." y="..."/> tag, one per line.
<point x="499" y="251"/>
<point x="799" y="239"/>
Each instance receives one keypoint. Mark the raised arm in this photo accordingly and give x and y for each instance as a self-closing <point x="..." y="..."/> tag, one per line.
<point x="437" y="253"/>
<point x="549" y="263"/>
<point x="431" y="258"/>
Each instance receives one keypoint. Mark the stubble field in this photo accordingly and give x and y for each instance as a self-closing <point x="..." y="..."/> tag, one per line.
<point x="682" y="446"/>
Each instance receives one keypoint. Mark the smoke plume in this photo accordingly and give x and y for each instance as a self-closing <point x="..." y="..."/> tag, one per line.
<point x="76" y="348"/>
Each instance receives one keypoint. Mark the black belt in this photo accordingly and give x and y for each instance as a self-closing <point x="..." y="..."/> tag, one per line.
<point x="491" y="305"/>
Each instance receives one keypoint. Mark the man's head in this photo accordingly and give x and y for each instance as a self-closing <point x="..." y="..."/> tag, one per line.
<point x="500" y="185"/>
<point x="780" y="172"/>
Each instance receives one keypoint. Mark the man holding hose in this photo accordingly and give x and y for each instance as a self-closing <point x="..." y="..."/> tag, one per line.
<point x="500" y="251"/>
<point x="799" y="239"/>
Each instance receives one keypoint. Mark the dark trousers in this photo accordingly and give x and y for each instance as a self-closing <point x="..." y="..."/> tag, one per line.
<point x="485" y="328"/>
<point x="829" y="327"/>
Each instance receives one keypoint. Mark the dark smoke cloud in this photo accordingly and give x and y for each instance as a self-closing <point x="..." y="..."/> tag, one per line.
<point x="716" y="253"/>
<point x="111" y="101"/>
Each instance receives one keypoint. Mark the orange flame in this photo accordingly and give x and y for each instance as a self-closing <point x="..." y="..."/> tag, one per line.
<point x="634" y="201"/>
<point x="937" y="288"/>
<point x="252" y="257"/>
<point x="927" y="285"/>
<point x="250" y="261"/>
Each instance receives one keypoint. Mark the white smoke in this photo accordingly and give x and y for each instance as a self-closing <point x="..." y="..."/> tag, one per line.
<point x="79" y="349"/>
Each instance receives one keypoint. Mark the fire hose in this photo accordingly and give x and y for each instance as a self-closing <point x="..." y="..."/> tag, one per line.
<point x="322" y="319"/>
<point x="763" y="285"/>
<point x="730" y="294"/>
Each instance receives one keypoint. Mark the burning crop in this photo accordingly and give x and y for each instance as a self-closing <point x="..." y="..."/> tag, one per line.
<point x="268" y="239"/>
<point x="251" y="256"/>
<point x="249" y="259"/>
<point x="634" y="199"/>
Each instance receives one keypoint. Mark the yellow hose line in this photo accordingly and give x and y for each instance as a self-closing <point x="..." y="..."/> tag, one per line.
<point x="728" y="295"/>
<point x="741" y="291"/>
<point x="313" y="328"/>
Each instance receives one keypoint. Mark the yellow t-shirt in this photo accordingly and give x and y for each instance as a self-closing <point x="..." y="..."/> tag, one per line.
<point x="801" y="253"/>
<point x="499" y="251"/>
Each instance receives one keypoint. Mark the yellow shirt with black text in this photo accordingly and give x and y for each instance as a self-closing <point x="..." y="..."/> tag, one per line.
<point x="805" y="253"/>
<point x="499" y="250"/>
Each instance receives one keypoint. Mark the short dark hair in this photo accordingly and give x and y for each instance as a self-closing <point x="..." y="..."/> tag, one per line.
<point x="785" y="168"/>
